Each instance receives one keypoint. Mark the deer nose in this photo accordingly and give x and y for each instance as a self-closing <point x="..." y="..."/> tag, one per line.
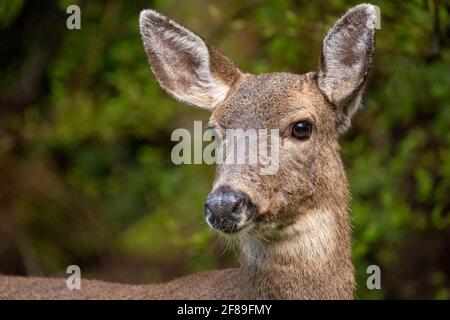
<point x="228" y="210"/>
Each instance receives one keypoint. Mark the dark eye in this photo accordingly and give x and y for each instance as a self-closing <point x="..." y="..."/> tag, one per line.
<point x="302" y="130"/>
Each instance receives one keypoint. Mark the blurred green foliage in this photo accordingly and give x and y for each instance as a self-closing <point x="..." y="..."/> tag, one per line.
<point x="85" y="139"/>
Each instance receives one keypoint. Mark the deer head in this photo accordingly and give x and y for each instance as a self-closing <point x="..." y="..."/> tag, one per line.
<point x="310" y="112"/>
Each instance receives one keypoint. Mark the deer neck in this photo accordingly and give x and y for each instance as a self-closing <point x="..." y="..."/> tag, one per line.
<point x="310" y="259"/>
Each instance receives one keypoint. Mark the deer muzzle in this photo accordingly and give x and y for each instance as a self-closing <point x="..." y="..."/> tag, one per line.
<point x="228" y="210"/>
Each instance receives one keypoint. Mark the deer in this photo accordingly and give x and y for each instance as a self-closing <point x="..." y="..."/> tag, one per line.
<point x="293" y="227"/>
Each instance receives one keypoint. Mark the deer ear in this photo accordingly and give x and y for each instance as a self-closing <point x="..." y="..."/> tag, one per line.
<point x="186" y="66"/>
<point x="346" y="60"/>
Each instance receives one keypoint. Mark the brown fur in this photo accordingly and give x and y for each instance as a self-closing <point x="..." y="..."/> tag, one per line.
<point x="299" y="244"/>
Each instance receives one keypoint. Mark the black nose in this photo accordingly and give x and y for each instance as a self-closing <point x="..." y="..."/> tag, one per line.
<point x="227" y="210"/>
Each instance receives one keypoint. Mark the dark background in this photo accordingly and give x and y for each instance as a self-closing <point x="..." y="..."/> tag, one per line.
<point x="85" y="170"/>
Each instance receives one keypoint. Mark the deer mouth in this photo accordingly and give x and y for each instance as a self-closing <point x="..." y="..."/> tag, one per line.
<point x="228" y="210"/>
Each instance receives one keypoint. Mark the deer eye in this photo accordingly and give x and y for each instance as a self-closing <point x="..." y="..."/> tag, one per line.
<point x="302" y="130"/>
